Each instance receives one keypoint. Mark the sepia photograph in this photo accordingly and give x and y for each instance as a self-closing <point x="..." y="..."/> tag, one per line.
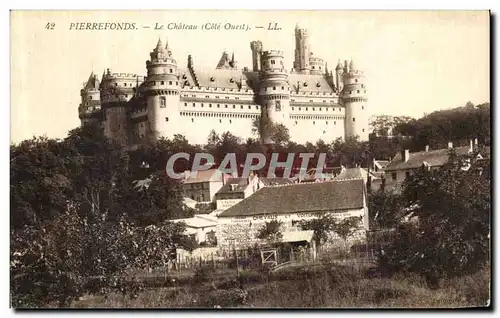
<point x="210" y="159"/>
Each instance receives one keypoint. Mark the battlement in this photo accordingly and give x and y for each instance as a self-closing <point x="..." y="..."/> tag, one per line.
<point x="270" y="53"/>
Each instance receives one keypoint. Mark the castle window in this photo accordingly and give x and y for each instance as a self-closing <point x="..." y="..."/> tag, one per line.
<point x="185" y="104"/>
<point x="163" y="102"/>
<point x="306" y="108"/>
<point x="192" y="120"/>
<point x="273" y="62"/>
<point x="210" y="105"/>
<point x="218" y="105"/>
<point x="353" y="119"/>
<point x="249" y="107"/>
<point x="126" y="95"/>
<point x="358" y="91"/>
<point x="305" y="84"/>
<point x="217" y="97"/>
<point x="362" y="107"/>
<point x="295" y="122"/>
<point x="169" y="82"/>
<point x="292" y="108"/>
<point x="241" y="106"/>
<point x="226" y="105"/>
<point x="274" y="88"/>
<point x="314" y="123"/>
<point x="313" y="108"/>
<point x="176" y="83"/>
<point x="201" y="104"/>
<point x="363" y="130"/>
<point x="335" y="123"/>
<point x="227" y="97"/>
<point x="320" y="109"/>
<point x="171" y="70"/>
<point x="194" y="104"/>
<point x="231" y="80"/>
<point x="350" y="92"/>
<point x="365" y="91"/>
<point x="327" y="122"/>
<point x="116" y="84"/>
<point x="282" y="88"/>
<point x="162" y="82"/>
<point x="313" y="67"/>
<point x="212" y="79"/>
<point x="362" y="85"/>
<point x="300" y="108"/>
<point x="356" y="80"/>
<point x="230" y="121"/>
<point x="311" y="101"/>
<point x="166" y="118"/>
<point x="234" y="106"/>
<point x="206" y="96"/>
<point x="220" y="120"/>
<point x="256" y="107"/>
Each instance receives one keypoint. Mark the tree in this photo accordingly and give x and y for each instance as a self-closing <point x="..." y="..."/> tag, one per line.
<point x="271" y="231"/>
<point x="453" y="207"/>
<point x="385" y="209"/>
<point x="322" y="227"/>
<point x="346" y="227"/>
<point x="270" y="132"/>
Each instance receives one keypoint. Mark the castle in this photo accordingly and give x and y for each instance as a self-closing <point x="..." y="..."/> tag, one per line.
<point x="313" y="102"/>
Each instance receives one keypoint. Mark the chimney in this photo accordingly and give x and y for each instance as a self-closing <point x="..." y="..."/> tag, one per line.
<point x="405" y="155"/>
<point x="427" y="148"/>
<point x="475" y="141"/>
<point x="450" y="145"/>
<point x="471" y="145"/>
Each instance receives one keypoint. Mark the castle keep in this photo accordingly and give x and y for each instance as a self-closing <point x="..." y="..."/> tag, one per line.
<point x="312" y="101"/>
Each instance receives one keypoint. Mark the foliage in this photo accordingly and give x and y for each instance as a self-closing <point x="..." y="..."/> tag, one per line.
<point x="322" y="227"/>
<point x="271" y="231"/>
<point x="385" y="209"/>
<point x="453" y="207"/>
<point x="270" y="132"/>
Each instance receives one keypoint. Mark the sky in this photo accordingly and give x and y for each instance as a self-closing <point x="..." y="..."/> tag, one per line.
<point x="415" y="62"/>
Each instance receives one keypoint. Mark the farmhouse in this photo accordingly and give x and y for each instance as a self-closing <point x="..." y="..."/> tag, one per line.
<point x="238" y="225"/>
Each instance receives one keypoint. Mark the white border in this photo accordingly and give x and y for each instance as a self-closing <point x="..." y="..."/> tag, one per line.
<point x="193" y="4"/>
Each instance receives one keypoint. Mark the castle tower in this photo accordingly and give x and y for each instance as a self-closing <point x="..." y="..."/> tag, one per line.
<point x="162" y="93"/>
<point x="256" y="47"/>
<point x="338" y="77"/>
<point x="274" y="93"/>
<point x="89" y="110"/>
<point x="316" y="64"/>
<point x="355" y="100"/>
<point x="301" y="64"/>
<point x="116" y="90"/>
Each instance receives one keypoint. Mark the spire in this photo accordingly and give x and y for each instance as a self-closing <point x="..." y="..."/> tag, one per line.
<point x="339" y="66"/>
<point x="326" y="69"/>
<point x="351" y="65"/>
<point x="159" y="46"/>
<point x="92" y="82"/>
<point x="232" y="58"/>
<point x="297" y="26"/>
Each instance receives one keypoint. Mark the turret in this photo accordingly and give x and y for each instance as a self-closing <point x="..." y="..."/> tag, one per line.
<point x="317" y="65"/>
<point x="89" y="110"/>
<point x="162" y="93"/>
<point x="355" y="100"/>
<point x="338" y="77"/>
<point x="256" y="47"/>
<point x="301" y="63"/>
<point x="116" y="91"/>
<point x="274" y="93"/>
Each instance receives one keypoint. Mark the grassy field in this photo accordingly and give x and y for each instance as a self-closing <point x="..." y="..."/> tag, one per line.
<point x="320" y="287"/>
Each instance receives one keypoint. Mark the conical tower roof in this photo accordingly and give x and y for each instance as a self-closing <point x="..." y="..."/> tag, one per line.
<point x="92" y="82"/>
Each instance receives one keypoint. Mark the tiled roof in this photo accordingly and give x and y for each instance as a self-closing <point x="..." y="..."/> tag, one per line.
<point x="239" y="185"/>
<point x="353" y="173"/>
<point x="309" y="83"/>
<point x="198" y="221"/>
<point x="205" y="176"/>
<point x="92" y="82"/>
<point x="302" y="197"/>
<point x="432" y="158"/>
<point x="381" y="163"/>
<point x="275" y="181"/>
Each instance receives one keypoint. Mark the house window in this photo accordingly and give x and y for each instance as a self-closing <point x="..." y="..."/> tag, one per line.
<point x="394" y="176"/>
<point x="407" y="174"/>
<point x="163" y="102"/>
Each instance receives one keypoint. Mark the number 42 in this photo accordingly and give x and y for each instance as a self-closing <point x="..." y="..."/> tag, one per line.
<point x="50" y="26"/>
